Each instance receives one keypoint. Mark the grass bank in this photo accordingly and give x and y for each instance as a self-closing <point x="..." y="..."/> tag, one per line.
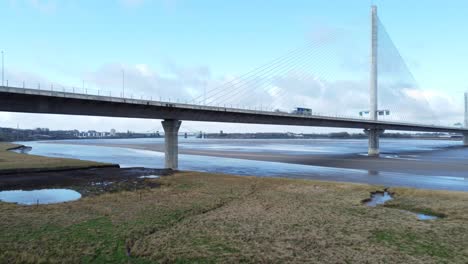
<point x="207" y="218"/>
<point x="11" y="162"/>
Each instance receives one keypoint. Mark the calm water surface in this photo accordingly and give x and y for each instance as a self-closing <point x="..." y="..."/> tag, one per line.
<point x="427" y="149"/>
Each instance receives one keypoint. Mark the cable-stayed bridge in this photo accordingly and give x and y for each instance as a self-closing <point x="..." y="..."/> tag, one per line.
<point x="219" y="104"/>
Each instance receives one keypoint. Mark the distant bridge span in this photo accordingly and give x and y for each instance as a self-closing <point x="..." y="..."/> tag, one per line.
<point x="13" y="99"/>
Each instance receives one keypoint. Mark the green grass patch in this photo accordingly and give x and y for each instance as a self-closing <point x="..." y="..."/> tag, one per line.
<point x="413" y="243"/>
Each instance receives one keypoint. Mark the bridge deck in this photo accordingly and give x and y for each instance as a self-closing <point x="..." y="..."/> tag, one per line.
<point x="14" y="99"/>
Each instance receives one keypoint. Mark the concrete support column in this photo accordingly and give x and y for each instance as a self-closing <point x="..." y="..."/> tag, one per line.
<point x="465" y="139"/>
<point x="171" y="143"/>
<point x="374" y="136"/>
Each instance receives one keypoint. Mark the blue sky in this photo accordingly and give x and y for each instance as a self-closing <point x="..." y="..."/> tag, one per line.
<point x="68" y="41"/>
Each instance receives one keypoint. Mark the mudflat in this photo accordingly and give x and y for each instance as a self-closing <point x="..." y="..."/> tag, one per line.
<point x="31" y="172"/>
<point x="86" y="181"/>
<point x="421" y="166"/>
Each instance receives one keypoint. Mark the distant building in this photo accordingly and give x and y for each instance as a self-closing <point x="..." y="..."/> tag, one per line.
<point x="113" y="133"/>
<point x="92" y="133"/>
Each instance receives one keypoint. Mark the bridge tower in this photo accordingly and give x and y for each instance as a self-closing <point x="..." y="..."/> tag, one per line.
<point x="374" y="133"/>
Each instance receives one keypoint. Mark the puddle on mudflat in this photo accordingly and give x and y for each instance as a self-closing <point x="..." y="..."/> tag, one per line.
<point x="426" y="217"/>
<point x="149" y="177"/>
<point x="43" y="196"/>
<point x="381" y="197"/>
<point x="378" y="198"/>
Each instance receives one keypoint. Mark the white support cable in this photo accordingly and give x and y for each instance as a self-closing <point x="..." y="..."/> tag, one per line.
<point x="316" y="74"/>
<point x="315" y="44"/>
<point x="402" y="64"/>
<point x="243" y="82"/>
<point x="259" y="69"/>
<point x="268" y="81"/>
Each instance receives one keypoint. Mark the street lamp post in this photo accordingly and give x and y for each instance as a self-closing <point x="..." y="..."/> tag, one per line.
<point x="3" y="69"/>
<point x="123" y="83"/>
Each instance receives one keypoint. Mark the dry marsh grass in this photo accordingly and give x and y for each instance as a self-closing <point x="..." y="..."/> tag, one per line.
<point x="207" y="218"/>
<point x="11" y="161"/>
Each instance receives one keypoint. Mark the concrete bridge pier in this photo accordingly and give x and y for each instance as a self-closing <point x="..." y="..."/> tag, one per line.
<point x="465" y="139"/>
<point x="171" y="143"/>
<point x="374" y="138"/>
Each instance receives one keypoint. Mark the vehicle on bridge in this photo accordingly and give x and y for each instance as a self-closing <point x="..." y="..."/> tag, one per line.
<point x="302" y="111"/>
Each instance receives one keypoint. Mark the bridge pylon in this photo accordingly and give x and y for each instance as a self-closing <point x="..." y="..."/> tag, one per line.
<point x="373" y="133"/>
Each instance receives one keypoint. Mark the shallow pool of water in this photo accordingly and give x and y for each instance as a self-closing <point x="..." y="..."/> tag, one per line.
<point x="43" y="196"/>
<point x="379" y="198"/>
<point x="426" y="217"/>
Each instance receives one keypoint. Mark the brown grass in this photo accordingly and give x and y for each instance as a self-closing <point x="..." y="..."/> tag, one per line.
<point x="11" y="161"/>
<point x="206" y="218"/>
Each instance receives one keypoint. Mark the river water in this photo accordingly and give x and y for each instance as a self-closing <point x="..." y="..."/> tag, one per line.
<point x="437" y="150"/>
